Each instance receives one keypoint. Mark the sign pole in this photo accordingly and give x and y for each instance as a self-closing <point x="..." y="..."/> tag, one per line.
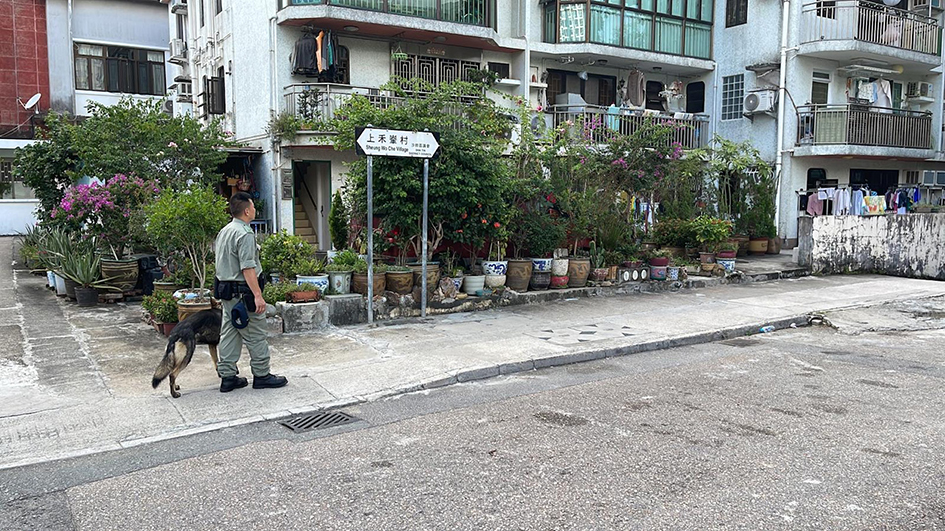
<point x="370" y="240"/>
<point x="426" y="188"/>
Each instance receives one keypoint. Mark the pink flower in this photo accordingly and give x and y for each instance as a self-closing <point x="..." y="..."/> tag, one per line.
<point x="172" y="144"/>
<point x="497" y="224"/>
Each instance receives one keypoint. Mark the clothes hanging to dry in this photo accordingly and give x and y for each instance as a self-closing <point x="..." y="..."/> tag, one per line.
<point x="305" y="61"/>
<point x="636" y="88"/>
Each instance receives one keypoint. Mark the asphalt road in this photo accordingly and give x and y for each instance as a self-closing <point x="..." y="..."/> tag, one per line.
<point x="802" y="429"/>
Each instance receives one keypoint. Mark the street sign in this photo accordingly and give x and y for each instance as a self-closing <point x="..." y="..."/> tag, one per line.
<point x="396" y="143"/>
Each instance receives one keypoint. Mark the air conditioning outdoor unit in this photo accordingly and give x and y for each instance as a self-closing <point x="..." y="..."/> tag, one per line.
<point x="760" y="101"/>
<point x="168" y="106"/>
<point x="924" y="4"/>
<point x="928" y="178"/>
<point x="918" y="89"/>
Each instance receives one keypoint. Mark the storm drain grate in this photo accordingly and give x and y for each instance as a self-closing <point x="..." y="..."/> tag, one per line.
<point x="317" y="421"/>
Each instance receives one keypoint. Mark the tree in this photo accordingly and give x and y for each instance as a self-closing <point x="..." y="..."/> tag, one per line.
<point x="189" y="220"/>
<point x="467" y="173"/>
<point x="338" y="222"/>
<point x="48" y="167"/>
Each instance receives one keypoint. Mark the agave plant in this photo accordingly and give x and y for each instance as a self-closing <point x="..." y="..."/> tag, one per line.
<point x="85" y="269"/>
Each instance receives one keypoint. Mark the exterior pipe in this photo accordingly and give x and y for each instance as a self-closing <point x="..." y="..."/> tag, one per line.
<point x="778" y="161"/>
<point x="276" y="151"/>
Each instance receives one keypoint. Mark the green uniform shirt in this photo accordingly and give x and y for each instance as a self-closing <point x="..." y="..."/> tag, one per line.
<point x="236" y="250"/>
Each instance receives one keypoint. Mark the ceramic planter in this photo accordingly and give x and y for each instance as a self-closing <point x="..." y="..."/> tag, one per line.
<point x="457" y="281"/>
<point x="599" y="274"/>
<point x="559" y="282"/>
<point x="774" y="246"/>
<point x="612" y="273"/>
<point x="541" y="265"/>
<point x="473" y="283"/>
<point x="188" y="307"/>
<point x="559" y="268"/>
<point x="672" y="273"/>
<point x="122" y="274"/>
<point x="400" y="282"/>
<point x="578" y="271"/>
<point x="727" y="263"/>
<point x="659" y="261"/>
<point x="60" y="285"/>
<point x="304" y="296"/>
<point x="758" y="246"/>
<point x="707" y="258"/>
<point x="359" y="283"/>
<point x="728" y="255"/>
<point x="540" y="280"/>
<point x="166" y="287"/>
<point x="658" y="272"/>
<point x="320" y="281"/>
<point x="495" y="281"/>
<point x="433" y="278"/>
<point x="166" y="328"/>
<point x="86" y="296"/>
<point x="340" y="282"/>
<point x="495" y="267"/>
<point x="519" y="273"/>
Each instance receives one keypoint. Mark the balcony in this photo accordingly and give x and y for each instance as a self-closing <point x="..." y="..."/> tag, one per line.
<point x="691" y="130"/>
<point x="179" y="7"/>
<point x="660" y="28"/>
<point x="178" y="54"/>
<point x="860" y="130"/>
<point x="840" y="29"/>
<point x="479" y="13"/>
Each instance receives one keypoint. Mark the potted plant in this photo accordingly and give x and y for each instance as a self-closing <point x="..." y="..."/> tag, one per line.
<point x="162" y="308"/>
<point x="674" y="235"/>
<point x="598" y="272"/>
<point x="337" y="225"/>
<point x="281" y="253"/>
<point x="659" y="261"/>
<point x="340" y="270"/>
<point x="709" y="232"/>
<point x="359" y="278"/>
<point x="399" y="279"/>
<point x="543" y="234"/>
<point x="310" y="271"/>
<point x="495" y="268"/>
<point x="451" y="268"/>
<point x="189" y="220"/>
<point x="84" y="269"/>
<point x="303" y="292"/>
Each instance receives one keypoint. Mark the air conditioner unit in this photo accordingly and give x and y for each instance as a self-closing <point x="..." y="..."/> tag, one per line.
<point x="760" y="101"/>
<point x="179" y="7"/>
<point x="178" y="52"/>
<point x="940" y="178"/>
<point x="928" y="178"/>
<point x="918" y="89"/>
<point x="924" y="4"/>
<point x="168" y="106"/>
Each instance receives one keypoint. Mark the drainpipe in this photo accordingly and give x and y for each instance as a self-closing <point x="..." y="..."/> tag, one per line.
<point x="72" y="56"/>
<point x="276" y="153"/>
<point x="526" y="64"/>
<point x="778" y="164"/>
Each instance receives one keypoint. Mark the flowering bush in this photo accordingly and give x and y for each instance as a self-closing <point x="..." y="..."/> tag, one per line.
<point x="105" y="210"/>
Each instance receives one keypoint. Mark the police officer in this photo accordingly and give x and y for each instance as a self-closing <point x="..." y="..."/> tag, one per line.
<point x="237" y="265"/>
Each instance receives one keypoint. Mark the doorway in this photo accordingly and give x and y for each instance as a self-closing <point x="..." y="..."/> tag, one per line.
<point x="878" y="181"/>
<point x="313" y="202"/>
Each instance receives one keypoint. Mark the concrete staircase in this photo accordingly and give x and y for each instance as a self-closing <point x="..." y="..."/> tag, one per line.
<point x="303" y="226"/>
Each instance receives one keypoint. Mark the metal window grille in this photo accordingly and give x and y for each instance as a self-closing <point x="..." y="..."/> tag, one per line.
<point x="733" y="92"/>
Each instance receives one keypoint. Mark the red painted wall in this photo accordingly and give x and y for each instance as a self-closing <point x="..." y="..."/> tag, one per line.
<point x="24" y="63"/>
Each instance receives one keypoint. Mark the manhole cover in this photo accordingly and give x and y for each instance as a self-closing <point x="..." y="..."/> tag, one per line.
<point x="317" y="421"/>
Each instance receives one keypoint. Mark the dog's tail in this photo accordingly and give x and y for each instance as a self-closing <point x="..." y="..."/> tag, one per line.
<point x="167" y="364"/>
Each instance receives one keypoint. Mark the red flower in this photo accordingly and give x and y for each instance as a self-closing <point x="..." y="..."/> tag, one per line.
<point x="484" y="222"/>
<point x="391" y="240"/>
<point x="464" y="215"/>
<point x="460" y="231"/>
<point x="394" y="232"/>
<point x="497" y="224"/>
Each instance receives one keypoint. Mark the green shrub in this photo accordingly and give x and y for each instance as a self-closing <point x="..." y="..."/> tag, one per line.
<point x="161" y="305"/>
<point x="285" y="253"/>
<point x="338" y="222"/>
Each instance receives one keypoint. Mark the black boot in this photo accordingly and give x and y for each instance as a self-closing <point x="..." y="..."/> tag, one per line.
<point x="269" y="381"/>
<point x="230" y="383"/>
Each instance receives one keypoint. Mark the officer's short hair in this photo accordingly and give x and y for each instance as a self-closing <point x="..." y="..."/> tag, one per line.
<point x="239" y="202"/>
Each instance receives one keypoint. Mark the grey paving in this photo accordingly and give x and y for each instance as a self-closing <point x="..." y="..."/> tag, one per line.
<point x="76" y="381"/>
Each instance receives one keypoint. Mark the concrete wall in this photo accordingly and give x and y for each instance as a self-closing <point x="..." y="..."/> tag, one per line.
<point x="900" y="245"/>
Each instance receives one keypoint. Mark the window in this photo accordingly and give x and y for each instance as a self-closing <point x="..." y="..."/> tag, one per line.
<point x="200" y="10"/>
<point x="500" y="69"/>
<point x="733" y="92"/>
<point x="12" y="187"/>
<point x="181" y="27"/>
<point x="119" y="69"/>
<point x="216" y="94"/>
<point x="827" y="8"/>
<point x="695" y="97"/>
<point x="819" y="88"/>
<point x="736" y="13"/>
<point x="218" y="7"/>
<point x="815" y="177"/>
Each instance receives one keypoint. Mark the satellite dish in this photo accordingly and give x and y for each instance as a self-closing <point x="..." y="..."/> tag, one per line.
<point x="891" y="2"/>
<point x="583" y="75"/>
<point x="32" y="101"/>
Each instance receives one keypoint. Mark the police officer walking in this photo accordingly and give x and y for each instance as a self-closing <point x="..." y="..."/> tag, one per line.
<point x="244" y="310"/>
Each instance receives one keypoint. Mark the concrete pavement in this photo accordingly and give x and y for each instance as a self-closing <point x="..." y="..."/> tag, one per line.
<point x="76" y="381"/>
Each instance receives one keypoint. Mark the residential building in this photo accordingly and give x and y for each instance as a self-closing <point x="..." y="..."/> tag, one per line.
<point x="70" y="53"/>
<point x="798" y="78"/>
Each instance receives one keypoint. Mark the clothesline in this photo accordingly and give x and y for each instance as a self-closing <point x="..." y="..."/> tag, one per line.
<point x="858" y="200"/>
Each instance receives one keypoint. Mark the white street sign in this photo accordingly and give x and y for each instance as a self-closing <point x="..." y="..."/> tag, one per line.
<point x="394" y="143"/>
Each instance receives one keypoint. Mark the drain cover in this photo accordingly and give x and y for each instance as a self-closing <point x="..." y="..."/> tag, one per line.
<point x="741" y="342"/>
<point x="317" y="421"/>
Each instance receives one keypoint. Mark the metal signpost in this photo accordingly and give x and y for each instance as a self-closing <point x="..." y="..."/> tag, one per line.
<point x="395" y="143"/>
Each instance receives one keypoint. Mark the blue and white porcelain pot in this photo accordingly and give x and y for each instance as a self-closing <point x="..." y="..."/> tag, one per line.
<point x="495" y="267"/>
<point x="320" y="281"/>
<point x="541" y="265"/>
<point x="728" y="264"/>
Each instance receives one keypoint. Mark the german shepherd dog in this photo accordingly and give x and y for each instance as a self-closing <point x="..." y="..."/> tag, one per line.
<point x="202" y="327"/>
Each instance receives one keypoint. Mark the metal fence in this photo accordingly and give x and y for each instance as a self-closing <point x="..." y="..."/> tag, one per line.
<point x="690" y="130"/>
<point x="862" y="125"/>
<point x="827" y="20"/>
<point x="472" y="12"/>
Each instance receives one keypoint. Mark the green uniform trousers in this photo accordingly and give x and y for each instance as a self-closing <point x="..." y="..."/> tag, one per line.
<point x="232" y="339"/>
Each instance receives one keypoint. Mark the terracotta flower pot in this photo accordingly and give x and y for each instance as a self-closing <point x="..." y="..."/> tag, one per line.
<point x="578" y="271"/>
<point x="727" y="255"/>
<point x="304" y="296"/>
<point x="359" y="283"/>
<point x="659" y="261"/>
<point x="166" y="328"/>
<point x="519" y="273"/>
<point x="707" y="258"/>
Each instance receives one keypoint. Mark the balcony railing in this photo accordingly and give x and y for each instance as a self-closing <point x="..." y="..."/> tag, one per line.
<point x="690" y="130"/>
<point x="829" y="20"/>
<point x="862" y="125"/>
<point x="472" y="12"/>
